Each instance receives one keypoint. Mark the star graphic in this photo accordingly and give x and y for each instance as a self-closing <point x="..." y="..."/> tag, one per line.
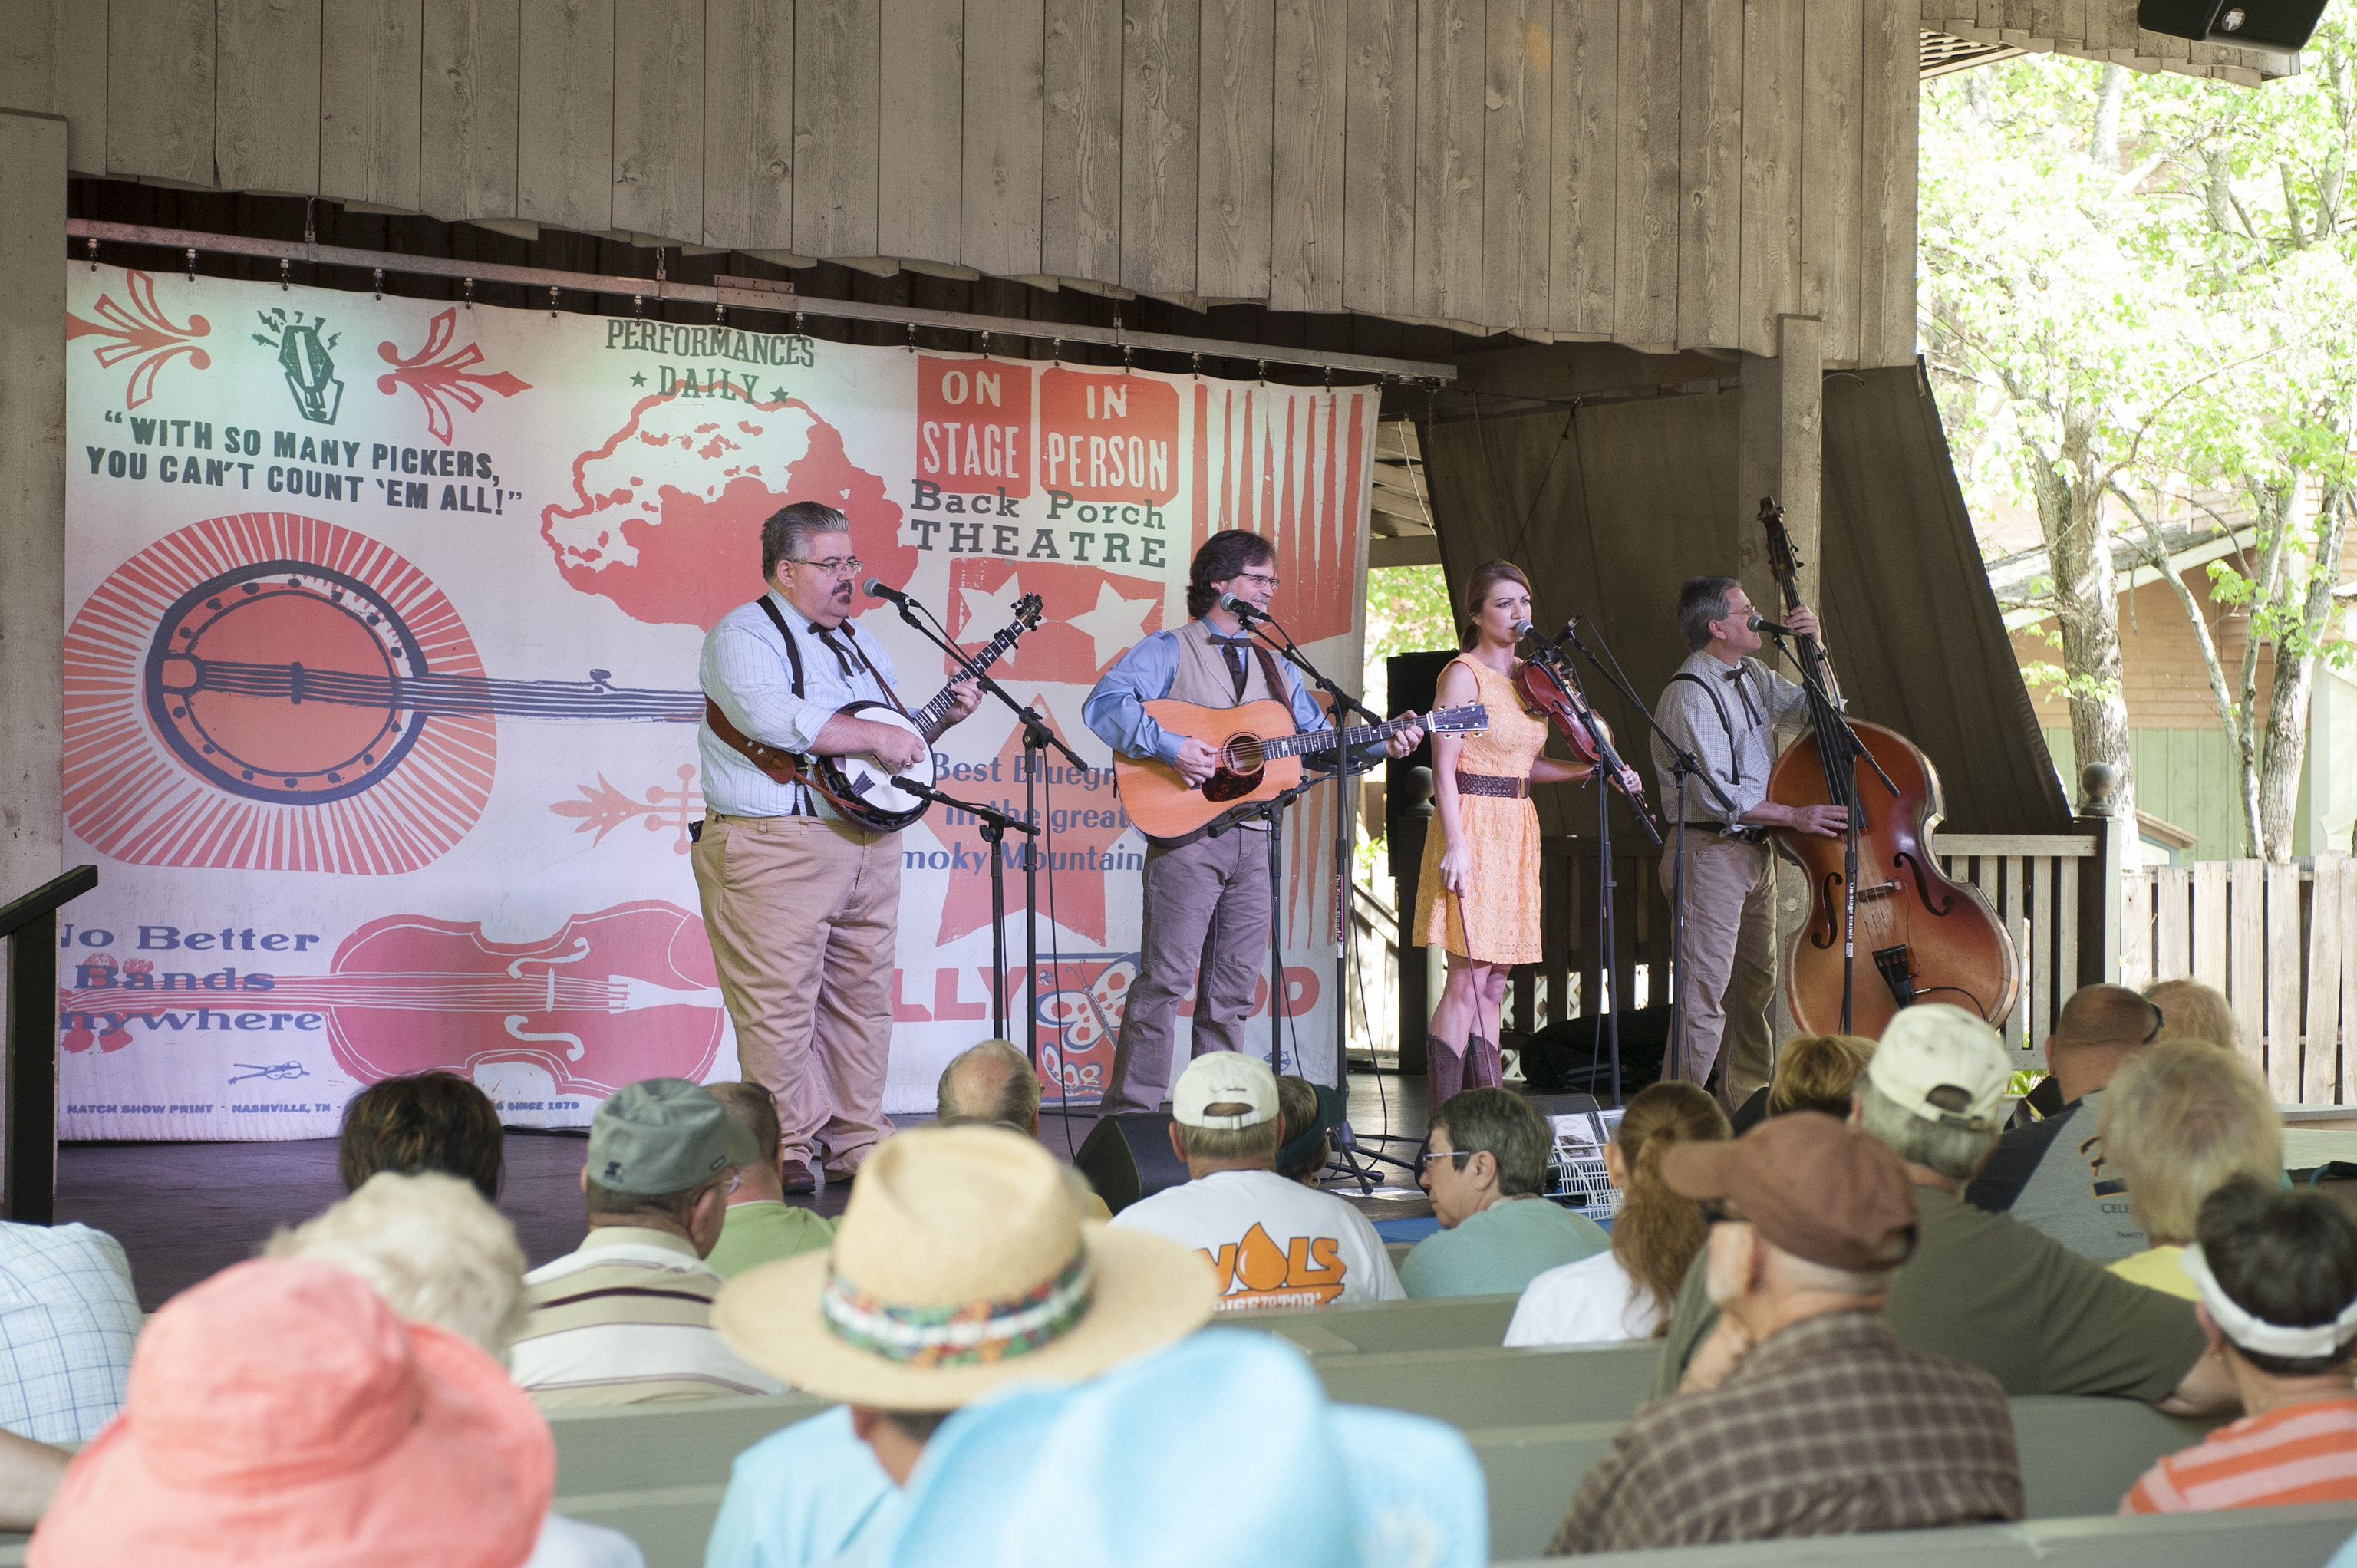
<point x="639" y="379"/>
<point x="1116" y="622"/>
<point x="990" y="607"/>
<point x="1092" y="826"/>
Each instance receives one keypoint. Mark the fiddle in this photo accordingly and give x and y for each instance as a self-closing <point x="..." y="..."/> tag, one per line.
<point x="1550" y="693"/>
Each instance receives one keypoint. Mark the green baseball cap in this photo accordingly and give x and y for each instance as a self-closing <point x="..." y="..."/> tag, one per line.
<point x="662" y="1135"/>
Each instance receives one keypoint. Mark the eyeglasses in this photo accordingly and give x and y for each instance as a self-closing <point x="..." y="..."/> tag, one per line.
<point x="1263" y="578"/>
<point x="1459" y="1155"/>
<point x="836" y="565"/>
<point x="2153" y="1033"/>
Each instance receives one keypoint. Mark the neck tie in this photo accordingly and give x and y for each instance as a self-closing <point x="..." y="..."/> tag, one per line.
<point x="1235" y="647"/>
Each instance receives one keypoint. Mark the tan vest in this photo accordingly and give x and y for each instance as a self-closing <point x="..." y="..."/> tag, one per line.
<point x="1203" y="678"/>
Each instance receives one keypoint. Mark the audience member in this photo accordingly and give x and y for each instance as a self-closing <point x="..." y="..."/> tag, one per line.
<point x="2192" y="1011"/>
<point x="1222" y="1450"/>
<point x="2278" y="1276"/>
<point x="1307" y="1150"/>
<point x="1625" y="1293"/>
<point x="2052" y="1175"/>
<point x="1808" y="1417"/>
<point x="1983" y="1287"/>
<point x="995" y="1084"/>
<point x="30" y="1474"/>
<point x="1485" y="1165"/>
<point x="426" y="1122"/>
<point x="961" y="1267"/>
<point x="760" y="1225"/>
<point x="626" y="1316"/>
<point x="280" y="1414"/>
<point x="2181" y="1121"/>
<point x="430" y="1246"/>
<point x="1812" y="1072"/>
<point x="1270" y="1241"/>
<point x="68" y="1315"/>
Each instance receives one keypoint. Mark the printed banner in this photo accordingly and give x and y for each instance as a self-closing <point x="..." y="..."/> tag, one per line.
<point x="380" y="681"/>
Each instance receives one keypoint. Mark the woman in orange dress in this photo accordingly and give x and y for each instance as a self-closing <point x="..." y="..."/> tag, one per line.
<point x="1478" y="893"/>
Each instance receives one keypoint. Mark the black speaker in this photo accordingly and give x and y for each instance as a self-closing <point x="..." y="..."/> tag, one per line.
<point x="2279" y="25"/>
<point x="1128" y="1157"/>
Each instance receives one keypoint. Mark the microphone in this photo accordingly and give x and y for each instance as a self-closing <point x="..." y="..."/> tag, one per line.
<point x="1770" y="627"/>
<point x="877" y="590"/>
<point x="1241" y="610"/>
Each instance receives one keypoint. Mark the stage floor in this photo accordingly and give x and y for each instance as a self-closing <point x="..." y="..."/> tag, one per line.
<point x="183" y="1211"/>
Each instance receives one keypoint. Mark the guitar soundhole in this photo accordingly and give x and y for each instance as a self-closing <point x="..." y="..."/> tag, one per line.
<point x="1242" y="753"/>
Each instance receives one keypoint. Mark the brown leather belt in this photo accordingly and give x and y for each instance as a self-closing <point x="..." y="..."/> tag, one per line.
<point x="1496" y="787"/>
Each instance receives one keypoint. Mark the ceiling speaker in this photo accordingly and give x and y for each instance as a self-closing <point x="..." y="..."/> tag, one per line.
<point x="2278" y="25"/>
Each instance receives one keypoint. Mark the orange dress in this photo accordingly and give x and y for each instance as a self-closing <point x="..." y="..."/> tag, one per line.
<point x="1498" y="922"/>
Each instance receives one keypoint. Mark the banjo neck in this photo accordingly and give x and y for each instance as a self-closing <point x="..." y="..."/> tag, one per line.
<point x="934" y="716"/>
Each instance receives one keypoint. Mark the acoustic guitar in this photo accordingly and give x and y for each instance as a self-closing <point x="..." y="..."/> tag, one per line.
<point x="1260" y="757"/>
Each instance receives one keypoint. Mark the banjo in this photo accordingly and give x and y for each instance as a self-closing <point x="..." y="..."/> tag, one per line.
<point x="861" y="788"/>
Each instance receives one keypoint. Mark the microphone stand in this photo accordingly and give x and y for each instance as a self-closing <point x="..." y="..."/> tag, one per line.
<point x="1036" y="736"/>
<point x="994" y="824"/>
<point x="1608" y="773"/>
<point x="1685" y="764"/>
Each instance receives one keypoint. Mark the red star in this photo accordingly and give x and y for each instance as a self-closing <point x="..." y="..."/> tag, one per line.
<point x="1081" y="838"/>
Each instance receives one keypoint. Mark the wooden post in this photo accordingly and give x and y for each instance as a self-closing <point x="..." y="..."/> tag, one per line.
<point x="2100" y="926"/>
<point x="1780" y="453"/>
<point x="32" y="510"/>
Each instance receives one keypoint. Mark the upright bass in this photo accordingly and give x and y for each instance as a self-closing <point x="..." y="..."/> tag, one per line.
<point x="1898" y="932"/>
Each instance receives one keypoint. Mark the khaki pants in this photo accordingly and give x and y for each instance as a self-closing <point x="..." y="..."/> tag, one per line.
<point x="1206" y="918"/>
<point x="1726" y="974"/>
<point x="803" y="916"/>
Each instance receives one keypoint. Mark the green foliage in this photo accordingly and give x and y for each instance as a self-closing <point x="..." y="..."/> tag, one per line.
<point x="1408" y="611"/>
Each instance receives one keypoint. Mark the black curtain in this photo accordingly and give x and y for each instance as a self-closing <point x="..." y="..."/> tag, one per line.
<point x="1608" y="508"/>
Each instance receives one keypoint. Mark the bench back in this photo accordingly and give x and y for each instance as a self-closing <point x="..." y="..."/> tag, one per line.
<point x="1491" y="1388"/>
<point x="633" y="1447"/>
<point x="1435" y="1323"/>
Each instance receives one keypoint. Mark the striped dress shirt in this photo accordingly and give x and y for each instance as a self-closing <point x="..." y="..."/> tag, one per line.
<point x="624" y="1319"/>
<point x="745" y="671"/>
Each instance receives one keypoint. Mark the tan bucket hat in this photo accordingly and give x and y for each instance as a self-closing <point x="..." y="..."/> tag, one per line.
<point x="961" y="1265"/>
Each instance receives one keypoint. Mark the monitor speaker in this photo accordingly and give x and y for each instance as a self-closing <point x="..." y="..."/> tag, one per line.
<point x="1127" y="1157"/>
<point x="2277" y="26"/>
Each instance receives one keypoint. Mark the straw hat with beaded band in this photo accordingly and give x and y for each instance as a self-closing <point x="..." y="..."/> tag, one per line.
<point x="960" y="1266"/>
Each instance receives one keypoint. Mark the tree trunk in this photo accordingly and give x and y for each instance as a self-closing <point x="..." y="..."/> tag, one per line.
<point x="2273" y="509"/>
<point x="2086" y="604"/>
<point x="2104" y="144"/>
<point x="2295" y="684"/>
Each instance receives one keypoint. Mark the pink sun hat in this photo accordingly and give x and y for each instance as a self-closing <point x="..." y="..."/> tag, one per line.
<point x="279" y="1414"/>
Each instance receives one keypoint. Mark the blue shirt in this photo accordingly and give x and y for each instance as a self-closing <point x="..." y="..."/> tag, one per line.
<point x="745" y="671"/>
<point x="803" y="1496"/>
<point x="1502" y="1248"/>
<point x="1143" y="674"/>
<point x="68" y="1315"/>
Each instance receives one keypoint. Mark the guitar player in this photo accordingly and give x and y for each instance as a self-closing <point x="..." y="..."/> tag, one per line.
<point x="802" y="907"/>
<point x="1206" y="898"/>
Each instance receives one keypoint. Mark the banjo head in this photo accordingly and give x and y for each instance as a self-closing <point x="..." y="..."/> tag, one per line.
<point x="863" y="779"/>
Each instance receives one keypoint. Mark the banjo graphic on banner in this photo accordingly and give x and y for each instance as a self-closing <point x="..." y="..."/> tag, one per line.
<point x="381" y="663"/>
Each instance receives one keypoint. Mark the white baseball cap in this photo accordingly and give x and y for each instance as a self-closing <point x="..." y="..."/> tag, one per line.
<point x="1224" y="1078"/>
<point x="1943" y="1064"/>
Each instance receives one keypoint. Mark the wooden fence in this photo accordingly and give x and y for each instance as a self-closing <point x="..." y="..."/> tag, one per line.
<point x="2277" y="940"/>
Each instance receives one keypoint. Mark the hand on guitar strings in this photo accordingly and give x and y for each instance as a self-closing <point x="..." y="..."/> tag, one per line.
<point x="1196" y="761"/>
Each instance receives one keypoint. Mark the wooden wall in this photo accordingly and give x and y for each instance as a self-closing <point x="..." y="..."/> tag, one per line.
<point x="1663" y="174"/>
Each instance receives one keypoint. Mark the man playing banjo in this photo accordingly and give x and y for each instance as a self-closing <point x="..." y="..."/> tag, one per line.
<point x="802" y="907"/>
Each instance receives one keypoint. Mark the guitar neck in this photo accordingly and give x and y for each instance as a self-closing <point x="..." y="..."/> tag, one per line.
<point x="1320" y="739"/>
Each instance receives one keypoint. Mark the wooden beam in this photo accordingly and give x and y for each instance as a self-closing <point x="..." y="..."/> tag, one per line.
<point x="748" y="125"/>
<point x="1647" y="205"/>
<point x="838" y="74"/>
<point x="1711" y="174"/>
<point x="1161" y="138"/>
<point x="1306" y="217"/>
<point x="1773" y="87"/>
<point x="160" y="81"/>
<point x="371" y="93"/>
<point x="1379" y="157"/>
<point x="1080" y="151"/>
<point x="658" y="117"/>
<point x="921" y="108"/>
<point x="564" y="109"/>
<point x="1517" y="152"/>
<point x="1832" y="171"/>
<point x="1235" y="182"/>
<point x="467" y="131"/>
<point x="1000" y="207"/>
<point x="1449" y="127"/>
<point x="1584" y="171"/>
<point x="266" y="103"/>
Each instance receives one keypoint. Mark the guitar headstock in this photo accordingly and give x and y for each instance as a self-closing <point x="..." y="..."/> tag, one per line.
<point x="1027" y="610"/>
<point x="1470" y="719"/>
<point x="1783" y="564"/>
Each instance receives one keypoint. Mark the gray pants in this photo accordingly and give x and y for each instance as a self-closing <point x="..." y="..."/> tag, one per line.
<point x="1729" y="974"/>
<point x="1207" y="914"/>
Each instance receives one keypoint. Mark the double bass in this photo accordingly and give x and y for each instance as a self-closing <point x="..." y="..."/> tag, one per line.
<point x="1902" y="931"/>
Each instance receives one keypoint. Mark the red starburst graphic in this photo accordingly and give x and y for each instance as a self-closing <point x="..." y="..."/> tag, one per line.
<point x="440" y="378"/>
<point x="143" y="333"/>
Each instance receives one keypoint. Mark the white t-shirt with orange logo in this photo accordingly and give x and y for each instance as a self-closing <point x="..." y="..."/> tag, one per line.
<point x="1272" y="1242"/>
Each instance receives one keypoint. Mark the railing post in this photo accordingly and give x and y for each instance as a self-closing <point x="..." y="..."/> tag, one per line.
<point x="28" y="1114"/>
<point x="2099" y="900"/>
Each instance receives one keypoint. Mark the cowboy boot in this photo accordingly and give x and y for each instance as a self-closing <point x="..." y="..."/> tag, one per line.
<point x="1444" y="1071"/>
<point x="1483" y="1069"/>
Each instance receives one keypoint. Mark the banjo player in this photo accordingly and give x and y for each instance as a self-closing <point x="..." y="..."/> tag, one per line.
<point x="802" y="906"/>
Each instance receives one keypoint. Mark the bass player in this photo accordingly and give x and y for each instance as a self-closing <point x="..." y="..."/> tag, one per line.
<point x="803" y="908"/>
<point x="1206" y="898"/>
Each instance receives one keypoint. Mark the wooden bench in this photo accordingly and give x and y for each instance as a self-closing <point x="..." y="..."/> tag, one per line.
<point x="2299" y="1537"/>
<point x="630" y="1447"/>
<point x="1435" y="1323"/>
<point x="1492" y="1388"/>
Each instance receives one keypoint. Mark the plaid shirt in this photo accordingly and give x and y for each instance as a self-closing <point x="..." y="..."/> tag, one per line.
<point x="67" y="1316"/>
<point x="1826" y="1428"/>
